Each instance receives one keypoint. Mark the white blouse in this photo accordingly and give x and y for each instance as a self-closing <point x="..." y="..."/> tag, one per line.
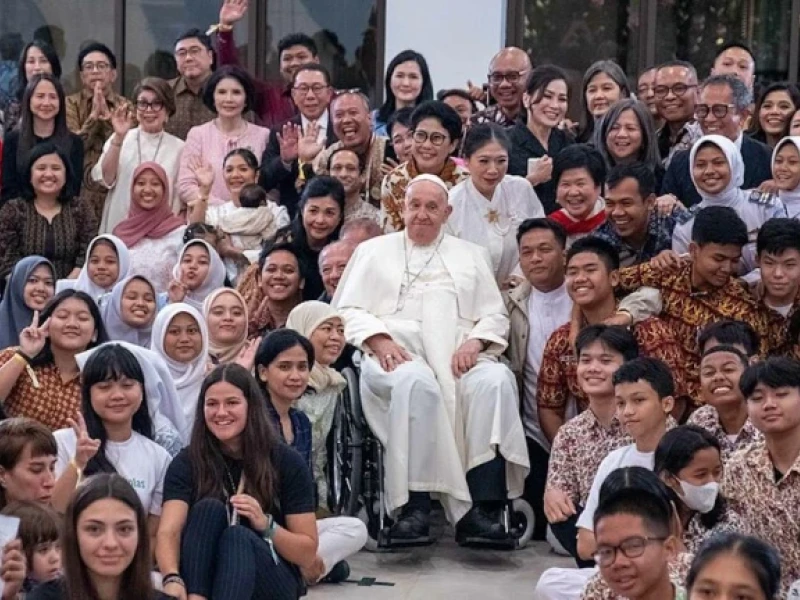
<point x="154" y="258"/>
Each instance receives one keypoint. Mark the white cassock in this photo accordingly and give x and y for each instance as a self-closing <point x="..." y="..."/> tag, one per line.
<point x="434" y="428"/>
<point x="493" y="223"/>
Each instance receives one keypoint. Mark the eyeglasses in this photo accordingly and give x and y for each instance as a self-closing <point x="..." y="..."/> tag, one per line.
<point x="679" y="89"/>
<point x="194" y="52"/>
<point x="317" y="88"/>
<point x="633" y="547"/>
<point x="720" y="111"/>
<point x="155" y="105"/>
<point x="497" y="77"/>
<point x="436" y="138"/>
<point x="100" y="67"/>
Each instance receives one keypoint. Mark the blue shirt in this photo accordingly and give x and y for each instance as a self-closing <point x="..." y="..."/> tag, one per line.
<point x="659" y="238"/>
<point x="301" y="427"/>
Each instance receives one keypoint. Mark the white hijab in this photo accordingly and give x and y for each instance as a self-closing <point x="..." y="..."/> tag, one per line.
<point x="84" y="282"/>
<point x="732" y="194"/>
<point x="111" y="310"/>
<point x="791" y="198"/>
<point x="214" y="279"/>
<point x="188" y="377"/>
<point x="163" y="402"/>
<point x="305" y="318"/>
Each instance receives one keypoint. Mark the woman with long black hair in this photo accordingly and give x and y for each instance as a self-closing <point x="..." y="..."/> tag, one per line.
<point x="408" y="84"/>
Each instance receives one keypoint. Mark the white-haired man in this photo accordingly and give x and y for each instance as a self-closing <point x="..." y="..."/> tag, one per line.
<point x="426" y="310"/>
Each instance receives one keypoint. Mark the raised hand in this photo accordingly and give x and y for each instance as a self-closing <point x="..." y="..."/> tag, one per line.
<point x="203" y="172"/>
<point x="308" y="147"/>
<point x="176" y="291"/>
<point x="121" y="121"/>
<point x="33" y="338"/>
<point x="12" y="569"/>
<point x="231" y="12"/>
<point x="100" y="110"/>
<point x="85" y="447"/>
<point x="247" y="355"/>
<point x="475" y="92"/>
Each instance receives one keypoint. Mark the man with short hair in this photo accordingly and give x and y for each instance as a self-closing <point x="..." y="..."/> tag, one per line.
<point x="333" y="260"/>
<point x="89" y="114"/>
<point x="360" y="230"/>
<point x="426" y="310"/>
<point x="345" y="165"/>
<point x="645" y="91"/>
<point x="723" y="108"/>
<point x="299" y="140"/>
<point x="195" y="60"/>
<point x="508" y="73"/>
<point x="276" y="99"/>
<point x="736" y="58"/>
<point x="675" y="95"/>
<point x="633" y="225"/>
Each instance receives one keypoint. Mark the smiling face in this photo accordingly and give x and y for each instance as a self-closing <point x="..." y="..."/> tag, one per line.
<point x="674" y="108"/>
<point x="730" y="125"/>
<point x="148" y="191"/>
<point x="346" y="167"/>
<point x="601" y="93"/>
<point x="311" y="93"/>
<point x="627" y="211"/>
<point x="333" y="261"/>
<point x="287" y="375"/>
<point x="402" y="142"/>
<point x="551" y="108"/>
<point x="461" y="105"/>
<point x="225" y="412"/>
<point x="229" y="98"/>
<point x="294" y="57"/>
<point x="116" y="401"/>
<point x="138" y="304"/>
<point x="774" y="411"/>
<point x="39" y="288"/>
<point x="589" y="282"/>
<point x="508" y="90"/>
<point x="351" y="121"/>
<point x="780" y="274"/>
<point x="639" y="408"/>
<point x="624" y="138"/>
<point x="727" y="577"/>
<point x="150" y="112"/>
<point x="321" y="216"/>
<point x="776" y="109"/>
<point x="715" y="264"/>
<point x="48" y="175"/>
<point x="227" y="323"/>
<point x="711" y="170"/>
<point x="645" y="91"/>
<point x="103" y="264"/>
<point x="406" y="82"/>
<point x="108" y="537"/>
<point x="183" y="341"/>
<point x="786" y="167"/>
<point x="597" y="364"/>
<point x="72" y="327"/>
<point x="31" y="479"/>
<point x="429" y="157"/>
<point x="237" y="174"/>
<point x="328" y="341"/>
<point x="195" y="264"/>
<point x="794" y="123"/>
<point x="36" y="63"/>
<point x="45" y="102"/>
<point x="577" y="193"/>
<point x="280" y="277"/>
<point x="487" y="167"/>
<point x="719" y="379"/>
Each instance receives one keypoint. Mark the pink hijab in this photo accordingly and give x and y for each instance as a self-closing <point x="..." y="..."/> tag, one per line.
<point x="154" y="223"/>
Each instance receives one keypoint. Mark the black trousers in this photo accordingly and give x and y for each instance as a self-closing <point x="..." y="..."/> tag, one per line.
<point x="566" y="533"/>
<point x="535" y="484"/>
<point x="226" y="562"/>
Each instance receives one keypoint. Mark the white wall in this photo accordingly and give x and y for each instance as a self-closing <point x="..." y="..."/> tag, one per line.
<point x="457" y="37"/>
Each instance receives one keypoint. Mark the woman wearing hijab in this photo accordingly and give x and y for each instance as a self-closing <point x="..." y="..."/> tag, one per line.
<point x="198" y="271"/>
<point x="225" y="312"/>
<point x="107" y="262"/>
<point x="152" y="233"/>
<point x="129" y="311"/>
<point x="181" y="339"/>
<point x="323" y="325"/>
<point x="717" y="172"/>
<point x="786" y="173"/>
<point x="30" y="287"/>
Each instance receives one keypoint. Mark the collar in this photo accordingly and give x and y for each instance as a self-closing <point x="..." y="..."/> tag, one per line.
<point x="411" y="245"/>
<point x="322" y="121"/>
<point x="551" y="295"/>
<point x="181" y="86"/>
<point x="759" y="459"/>
<point x="738" y="141"/>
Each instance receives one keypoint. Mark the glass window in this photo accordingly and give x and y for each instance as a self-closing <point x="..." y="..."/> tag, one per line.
<point x="152" y="26"/>
<point x="345" y="33"/>
<point x="66" y="25"/>
<point x="693" y="30"/>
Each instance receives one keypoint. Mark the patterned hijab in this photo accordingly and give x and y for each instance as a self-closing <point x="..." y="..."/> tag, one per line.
<point x="225" y="353"/>
<point x="305" y="318"/>
<point x="153" y="223"/>
<point x="14" y="313"/>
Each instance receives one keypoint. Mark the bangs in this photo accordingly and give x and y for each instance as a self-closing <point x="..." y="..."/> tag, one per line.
<point x="111" y="362"/>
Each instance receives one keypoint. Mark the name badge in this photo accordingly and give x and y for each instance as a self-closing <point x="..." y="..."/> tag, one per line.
<point x="794" y="591"/>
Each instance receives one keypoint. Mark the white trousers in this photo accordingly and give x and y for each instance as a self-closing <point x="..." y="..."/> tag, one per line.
<point x="339" y="537"/>
<point x="562" y="584"/>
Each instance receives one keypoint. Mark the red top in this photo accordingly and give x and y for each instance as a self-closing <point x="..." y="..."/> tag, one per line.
<point x="578" y="227"/>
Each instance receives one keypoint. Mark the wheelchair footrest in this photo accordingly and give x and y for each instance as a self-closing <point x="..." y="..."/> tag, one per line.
<point x="509" y="543"/>
<point x="385" y="541"/>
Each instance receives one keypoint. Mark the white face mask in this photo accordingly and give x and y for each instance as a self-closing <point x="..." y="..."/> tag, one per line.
<point x="701" y="498"/>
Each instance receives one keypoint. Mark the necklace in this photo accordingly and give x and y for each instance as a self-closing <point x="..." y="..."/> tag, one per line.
<point x="139" y="145"/>
<point x="408" y="280"/>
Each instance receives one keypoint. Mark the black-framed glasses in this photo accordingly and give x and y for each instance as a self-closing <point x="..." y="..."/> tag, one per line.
<point x="317" y="88"/>
<point x="633" y="547"/>
<point x="193" y="51"/>
<point x="155" y="105"/>
<point x="100" y="67"/>
<point x="436" y="138"/>
<point x="678" y="89"/>
<point x="497" y="77"/>
<point x="720" y="111"/>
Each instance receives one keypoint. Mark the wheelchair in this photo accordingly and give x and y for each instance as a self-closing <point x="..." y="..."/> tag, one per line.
<point x="356" y="481"/>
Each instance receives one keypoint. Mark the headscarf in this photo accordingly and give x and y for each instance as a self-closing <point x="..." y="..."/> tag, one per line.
<point x="163" y="402"/>
<point x="154" y="223"/>
<point x="111" y="310"/>
<point x="14" y="313"/>
<point x="215" y="278"/>
<point x="790" y="198"/>
<point x="305" y="318"/>
<point x="189" y="377"/>
<point x="84" y="282"/>
<point x="732" y="192"/>
<point x="225" y="353"/>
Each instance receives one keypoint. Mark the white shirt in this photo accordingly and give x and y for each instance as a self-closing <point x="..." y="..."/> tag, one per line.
<point x="627" y="456"/>
<point x="323" y="126"/>
<point x="154" y="258"/>
<point x="547" y="311"/>
<point x="139" y="460"/>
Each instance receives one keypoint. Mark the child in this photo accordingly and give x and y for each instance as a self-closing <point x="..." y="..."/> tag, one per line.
<point x="39" y="534"/>
<point x="582" y="442"/>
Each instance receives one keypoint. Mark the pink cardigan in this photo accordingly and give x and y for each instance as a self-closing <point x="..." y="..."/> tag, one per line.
<point x="212" y="145"/>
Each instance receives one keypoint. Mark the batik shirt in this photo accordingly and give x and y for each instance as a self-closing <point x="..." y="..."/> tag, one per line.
<point x="707" y="417"/>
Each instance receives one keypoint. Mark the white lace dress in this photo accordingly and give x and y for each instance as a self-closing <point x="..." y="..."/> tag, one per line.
<point x="154" y="258"/>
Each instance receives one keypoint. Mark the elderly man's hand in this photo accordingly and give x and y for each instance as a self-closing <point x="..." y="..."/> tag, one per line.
<point x="389" y="353"/>
<point x="466" y="357"/>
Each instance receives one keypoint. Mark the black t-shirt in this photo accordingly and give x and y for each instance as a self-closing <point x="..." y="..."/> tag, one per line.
<point x="295" y="486"/>
<point x="55" y="590"/>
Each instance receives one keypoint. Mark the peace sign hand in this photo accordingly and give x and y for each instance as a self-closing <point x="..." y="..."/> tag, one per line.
<point x="33" y="338"/>
<point x="85" y="447"/>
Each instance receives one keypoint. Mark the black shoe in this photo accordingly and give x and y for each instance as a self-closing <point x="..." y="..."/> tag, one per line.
<point x="412" y="524"/>
<point x="339" y="573"/>
<point x="480" y="523"/>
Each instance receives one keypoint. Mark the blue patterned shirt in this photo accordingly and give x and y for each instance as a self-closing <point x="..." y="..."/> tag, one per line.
<point x="659" y="238"/>
<point x="301" y="427"/>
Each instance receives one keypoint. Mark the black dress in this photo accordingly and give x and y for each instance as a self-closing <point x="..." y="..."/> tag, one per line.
<point x="55" y="590"/>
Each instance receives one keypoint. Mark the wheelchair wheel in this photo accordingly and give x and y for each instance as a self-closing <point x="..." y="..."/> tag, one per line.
<point x="522" y="521"/>
<point x="345" y="462"/>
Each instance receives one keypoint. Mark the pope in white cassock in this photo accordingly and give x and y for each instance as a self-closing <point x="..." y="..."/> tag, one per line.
<point x="425" y="309"/>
